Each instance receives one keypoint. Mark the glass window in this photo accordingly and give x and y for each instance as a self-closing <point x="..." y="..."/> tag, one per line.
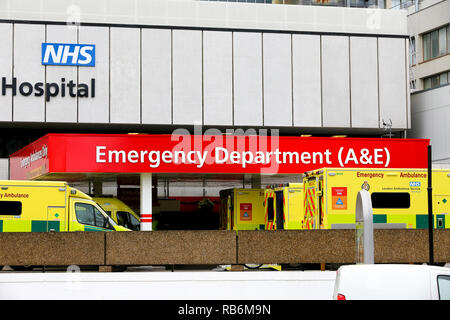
<point x="448" y="38"/>
<point x="85" y="213"/>
<point x="135" y="223"/>
<point x="270" y="211"/>
<point x="391" y="200"/>
<point x="427" y="83"/>
<point x="434" y="44"/>
<point x="99" y="218"/>
<point x="435" y="81"/>
<point x="127" y="220"/>
<point x="122" y="218"/>
<point x="426" y="46"/>
<point x="442" y="41"/>
<point x="412" y="51"/>
<point x="10" y="208"/>
<point x="444" y="287"/>
<point x="443" y="78"/>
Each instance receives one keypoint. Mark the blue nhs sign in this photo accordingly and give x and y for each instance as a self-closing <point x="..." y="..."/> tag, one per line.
<point x="66" y="54"/>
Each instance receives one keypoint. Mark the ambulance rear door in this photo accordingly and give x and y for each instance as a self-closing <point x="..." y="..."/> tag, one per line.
<point x="313" y="202"/>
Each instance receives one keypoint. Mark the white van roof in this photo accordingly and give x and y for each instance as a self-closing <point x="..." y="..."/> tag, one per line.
<point x="388" y="281"/>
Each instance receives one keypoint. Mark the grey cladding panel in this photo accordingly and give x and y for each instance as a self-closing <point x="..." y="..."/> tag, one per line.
<point x="6" y="59"/>
<point x="156" y="76"/>
<point x="59" y="108"/>
<point x="28" y="39"/>
<point x="187" y="77"/>
<point x="125" y="95"/>
<point x="307" y="95"/>
<point x="247" y="57"/>
<point x="277" y="79"/>
<point x="364" y="82"/>
<point x="218" y="78"/>
<point x="393" y="82"/>
<point x="335" y="81"/>
<point x="95" y="110"/>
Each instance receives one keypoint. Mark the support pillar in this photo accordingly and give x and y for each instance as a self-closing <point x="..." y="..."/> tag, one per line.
<point x="146" y="202"/>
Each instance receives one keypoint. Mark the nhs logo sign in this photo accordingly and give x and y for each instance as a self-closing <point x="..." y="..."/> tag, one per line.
<point x="65" y="54"/>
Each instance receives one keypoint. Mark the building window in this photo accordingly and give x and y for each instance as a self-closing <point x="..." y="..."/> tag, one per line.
<point x="436" y="43"/>
<point x="412" y="51"/>
<point x="436" y="80"/>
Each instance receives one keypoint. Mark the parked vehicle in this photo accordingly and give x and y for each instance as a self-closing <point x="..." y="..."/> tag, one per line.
<point x="242" y="209"/>
<point x="283" y="207"/>
<point x="41" y="206"/>
<point x="399" y="197"/>
<point x="392" y="282"/>
<point x="122" y="214"/>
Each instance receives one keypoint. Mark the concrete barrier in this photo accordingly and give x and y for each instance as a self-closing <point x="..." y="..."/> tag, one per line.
<point x="215" y="247"/>
<point x="52" y="248"/>
<point x="171" y="247"/>
<point x="296" y="246"/>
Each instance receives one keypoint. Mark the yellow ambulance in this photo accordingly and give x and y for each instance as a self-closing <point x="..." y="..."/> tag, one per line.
<point x="41" y="206"/>
<point x="242" y="209"/>
<point x="399" y="197"/>
<point x="122" y="214"/>
<point x="283" y="206"/>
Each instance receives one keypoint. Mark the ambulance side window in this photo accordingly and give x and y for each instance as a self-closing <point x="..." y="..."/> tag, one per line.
<point x="270" y="211"/>
<point x="391" y="200"/>
<point x="85" y="213"/>
<point x="10" y="208"/>
<point x="99" y="219"/>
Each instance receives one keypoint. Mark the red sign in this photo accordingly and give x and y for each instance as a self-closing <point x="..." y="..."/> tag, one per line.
<point x="122" y="153"/>
<point x="339" y="198"/>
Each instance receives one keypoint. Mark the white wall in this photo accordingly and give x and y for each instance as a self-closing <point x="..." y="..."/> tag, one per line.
<point x="430" y="114"/>
<point x="275" y="71"/>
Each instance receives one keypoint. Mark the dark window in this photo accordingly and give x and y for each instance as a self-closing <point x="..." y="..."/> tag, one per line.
<point x="10" y="208"/>
<point x="391" y="200"/>
<point x="270" y="211"/>
<point x="444" y="287"/>
<point x="127" y="220"/>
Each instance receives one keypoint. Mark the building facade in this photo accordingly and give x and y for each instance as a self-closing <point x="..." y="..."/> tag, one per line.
<point x="166" y="65"/>
<point x="429" y="29"/>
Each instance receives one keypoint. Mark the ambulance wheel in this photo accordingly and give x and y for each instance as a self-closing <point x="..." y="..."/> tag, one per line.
<point x="253" y="266"/>
<point x="22" y="268"/>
